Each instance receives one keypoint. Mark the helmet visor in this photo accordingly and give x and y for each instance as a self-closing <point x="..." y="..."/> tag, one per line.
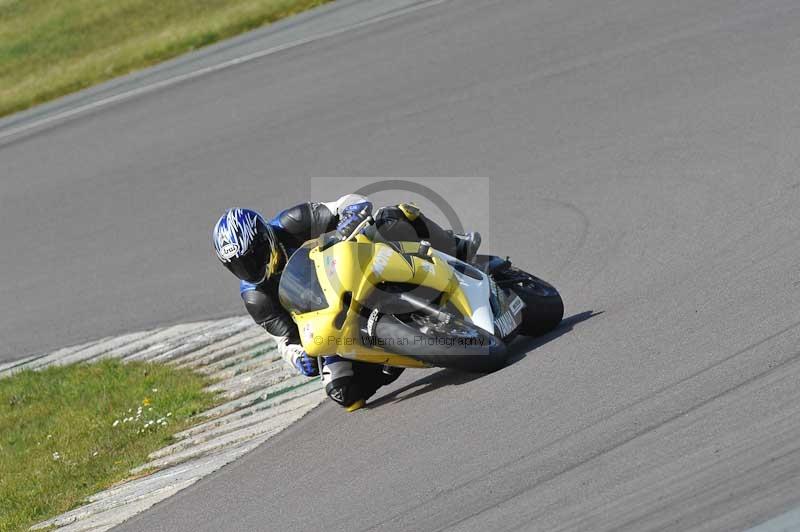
<point x="252" y="266"/>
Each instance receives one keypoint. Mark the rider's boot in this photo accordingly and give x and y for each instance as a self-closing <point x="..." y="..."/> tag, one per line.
<point x="352" y="384"/>
<point x="339" y="381"/>
<point x="467" y="245"/>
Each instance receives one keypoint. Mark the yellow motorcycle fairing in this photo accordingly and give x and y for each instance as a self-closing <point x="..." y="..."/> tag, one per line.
<point x="348" y="272"/>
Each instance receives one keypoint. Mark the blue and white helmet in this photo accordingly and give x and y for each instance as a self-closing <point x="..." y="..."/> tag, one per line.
<point x="242" y="241"/>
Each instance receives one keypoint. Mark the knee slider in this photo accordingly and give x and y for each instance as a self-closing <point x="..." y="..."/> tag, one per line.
<point x="340" y="384"/>
<point x="344" y="390"/>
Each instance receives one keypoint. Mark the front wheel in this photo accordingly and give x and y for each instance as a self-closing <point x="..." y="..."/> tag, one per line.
<point x="457" y="345"/>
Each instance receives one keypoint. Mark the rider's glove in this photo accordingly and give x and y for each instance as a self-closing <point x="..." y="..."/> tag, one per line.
<point x="304" y="363"/>
<point x="351" y="216"/>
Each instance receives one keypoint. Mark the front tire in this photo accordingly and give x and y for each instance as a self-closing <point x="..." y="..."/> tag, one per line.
<point x="480" y="352"/>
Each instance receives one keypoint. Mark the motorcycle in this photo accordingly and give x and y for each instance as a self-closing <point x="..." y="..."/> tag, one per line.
<point x="405" y="304"/>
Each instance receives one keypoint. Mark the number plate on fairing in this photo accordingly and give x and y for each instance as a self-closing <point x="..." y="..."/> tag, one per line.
<point x="510" y="319"/>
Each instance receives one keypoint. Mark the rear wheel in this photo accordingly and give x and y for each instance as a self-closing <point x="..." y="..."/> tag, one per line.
<point x="457" y="344"/>
<point x="544" y="308"/>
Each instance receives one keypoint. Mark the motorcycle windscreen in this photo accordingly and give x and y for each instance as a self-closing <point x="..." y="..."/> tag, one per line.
<point x="299" y="290"/>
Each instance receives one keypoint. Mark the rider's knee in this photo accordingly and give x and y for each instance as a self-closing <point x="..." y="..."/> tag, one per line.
<point x="339" y="380"/>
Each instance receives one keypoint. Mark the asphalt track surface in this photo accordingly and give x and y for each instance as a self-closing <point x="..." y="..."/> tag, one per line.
<point x="643" y="157"/>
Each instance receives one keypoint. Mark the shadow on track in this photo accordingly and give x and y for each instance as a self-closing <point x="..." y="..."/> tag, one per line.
<point x="523" y="345"/>
<point x="519" y="349"/>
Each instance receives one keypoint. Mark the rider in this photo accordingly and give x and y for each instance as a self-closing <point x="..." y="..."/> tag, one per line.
<point x="256" y="250"/>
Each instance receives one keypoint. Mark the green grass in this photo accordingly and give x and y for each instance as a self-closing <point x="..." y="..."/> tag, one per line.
<point x="68" y="432"/>
<point x="51" y="47"/>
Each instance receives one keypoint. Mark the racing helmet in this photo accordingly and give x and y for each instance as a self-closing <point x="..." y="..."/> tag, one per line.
<point x="245" y="244"/>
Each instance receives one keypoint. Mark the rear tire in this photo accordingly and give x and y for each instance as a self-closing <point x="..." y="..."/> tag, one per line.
<point x="481" y="353"/>
<point x="544" y="308"/>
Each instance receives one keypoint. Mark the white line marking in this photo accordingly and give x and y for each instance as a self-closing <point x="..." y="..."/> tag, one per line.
<point x="132" y="93"/>
<point x="788" y="522"/>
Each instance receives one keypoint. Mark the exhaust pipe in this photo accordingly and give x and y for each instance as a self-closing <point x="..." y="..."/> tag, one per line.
<point x="423" y="306"/>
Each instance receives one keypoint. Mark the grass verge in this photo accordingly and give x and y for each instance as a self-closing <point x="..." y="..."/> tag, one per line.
<point x="68" y="432"/>
<point x="49" y="48"/>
